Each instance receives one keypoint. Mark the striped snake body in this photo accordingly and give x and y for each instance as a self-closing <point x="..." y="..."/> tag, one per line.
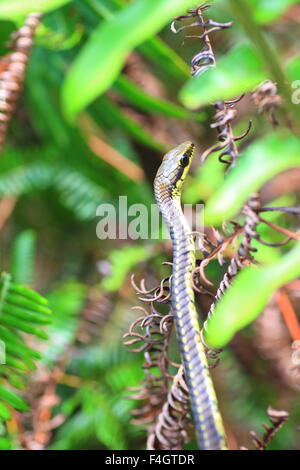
<point x="167" y="189"/>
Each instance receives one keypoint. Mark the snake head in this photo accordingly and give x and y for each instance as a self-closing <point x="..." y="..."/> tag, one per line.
<point x="175" y="166"/>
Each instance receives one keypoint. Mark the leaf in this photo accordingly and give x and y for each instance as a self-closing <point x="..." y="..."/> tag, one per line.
<point x="5" y="444"/>
<point x="122" y="261"/>
<point x="104" y="54"/>
<point x="16" y="363"/>
<point x="4" y="412"/>
<point x="293" y="68"/>
<point x="9" y="320"/>
<point x="239" y="71"/>
<point x="262" y="160"/>
<point x="27" y="293"/>
<point x="166" y="58"/>
<point x="109" y="111"/>
<point x="17" y="345"/>
<point x="268" y="11"/>
<point x="248" y="296"/>
<point x="25" y="314"/>
<point x="13" y="399"/>
<point x="20" y="310"/>
<point x="16" y="382"/>
<point x="14" y="9"/>
<point x="206" y="181"/>
<point x="20" y="301"/>
<point x="142" y="100"/>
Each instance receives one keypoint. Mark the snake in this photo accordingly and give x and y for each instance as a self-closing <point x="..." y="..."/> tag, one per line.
<point x="168" y="185"/>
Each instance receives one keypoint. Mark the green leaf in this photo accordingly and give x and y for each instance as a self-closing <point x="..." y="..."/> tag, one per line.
<point x="261" y="161"/>
<point x="22" y="326"/>
<point x="16" y="363"/>
<point x="293" y="68"/>
<point x="106" y="109"/>
<point x="5" y="444"/>
<point x="206" y="181"/>
<point x="166" y="58"/>
<point x="122" y="262"/>
<point x="19" y="301"/>
<point x="13" y="399"/>
<point x="239" y="71"/>
<point x="17" y="344"/>
<point x="4" y="412"/>
<point x="142" y="100"/>
<point x="155" y="49"/>
<point x="27" y="293"/>
<point x="268" y="11"/>
<point x="20" y="309"/>
<point x="248" y="296"/>
<point x="26" y="315"/>
<point x="14" y="9"/>
<point x="104" y="54"/>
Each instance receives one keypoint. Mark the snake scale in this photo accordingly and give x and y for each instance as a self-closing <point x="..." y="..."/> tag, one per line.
<point x="167" y="189"/>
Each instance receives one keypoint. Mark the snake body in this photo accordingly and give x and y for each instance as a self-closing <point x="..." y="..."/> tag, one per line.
<point x="167" y="189"/>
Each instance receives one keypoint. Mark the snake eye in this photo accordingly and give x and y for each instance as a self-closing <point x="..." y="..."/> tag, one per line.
<point x="184" y="161"/>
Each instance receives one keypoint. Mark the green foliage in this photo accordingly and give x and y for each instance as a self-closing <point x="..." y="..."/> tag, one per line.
<point x="78" y="193"/>
<point x="66" y="301"/>
<point x="15" y="9"/>
<point x="146" y="102"/>
<point x="262" y="160"/>
<point x="113" y="114"/>
<point x="269" y="11"/>
<point x="116" y="65"/>
<point x="132" y="26"/>
<point x="21" y="311"/>
<point x="227" y="80"/>
<point x="122" y="262"/>
<point x="102" y="407"/>
<point x="248" y="297"/>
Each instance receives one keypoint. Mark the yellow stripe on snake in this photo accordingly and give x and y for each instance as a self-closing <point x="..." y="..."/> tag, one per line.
<point x="167" y="189"/>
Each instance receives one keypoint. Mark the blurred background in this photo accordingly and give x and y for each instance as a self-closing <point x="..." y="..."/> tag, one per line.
<point x="70" y="147"/>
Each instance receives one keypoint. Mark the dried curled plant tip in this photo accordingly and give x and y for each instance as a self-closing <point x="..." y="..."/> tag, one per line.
<point x="205" y="58"/>
<point x="169" y="432"/>
<point x="150" y="334"/>
<point x="160" y="294"/>
<point x="223" y="118"/>
<point x="277" y="418"/>
<point x="198" y="14"/>
<point x="13" y="71"/>
<point x="200" y="63"/>
<point x="267" y="99"/>
<point x="242" y="257"/>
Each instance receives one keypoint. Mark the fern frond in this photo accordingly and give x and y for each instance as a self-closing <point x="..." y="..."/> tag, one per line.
<point x="21" y="310"/>
<point x="75" y="191"/>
